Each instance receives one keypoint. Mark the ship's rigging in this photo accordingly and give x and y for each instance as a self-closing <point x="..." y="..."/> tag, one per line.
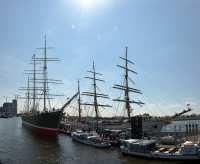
<point x="36" y="91"/>
<point x="95" y="95"/>
<point x="126" y="87"/>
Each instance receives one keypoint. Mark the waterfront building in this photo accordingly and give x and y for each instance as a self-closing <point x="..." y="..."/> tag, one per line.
<point x="9" y="108"/>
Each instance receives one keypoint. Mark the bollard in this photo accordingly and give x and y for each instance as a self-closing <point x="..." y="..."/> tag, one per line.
<point x="189" y="131"/>
<point x="197" y="132"/>
<point x="186" y="132"/>
<point x="193" y="136"/>
<point x="180" y="135"/>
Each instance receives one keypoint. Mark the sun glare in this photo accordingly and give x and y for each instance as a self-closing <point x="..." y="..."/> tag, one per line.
<point x="89" y="3"/>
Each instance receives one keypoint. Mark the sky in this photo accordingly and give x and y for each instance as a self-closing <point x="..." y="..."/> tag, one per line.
<point x="163" y="40"/>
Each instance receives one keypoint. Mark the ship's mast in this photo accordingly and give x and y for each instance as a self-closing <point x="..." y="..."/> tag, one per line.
<point x="34" y="88"/>
<point x="28" y="97"/>
<point x="126" y="88"/>
<point x="44" y="81"/>
<point x="45" y="74"/>
<point x="95" y="94"/>
<point x="79" y="101"/>
<point x="34" y="84"/>
<point x="126" y="91"/>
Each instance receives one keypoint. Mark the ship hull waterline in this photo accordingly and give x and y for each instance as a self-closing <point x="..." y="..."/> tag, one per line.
<point x="50" y="132"/>
<point x="44" y="123"/>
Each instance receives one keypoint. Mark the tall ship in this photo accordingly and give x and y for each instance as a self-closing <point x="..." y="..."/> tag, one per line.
<point x="149" y="125"/>
<point x="47" y="120"/>
<point x="95" y="95"/>
<point x="127" y="90"/>
<point x="94" y="103"/>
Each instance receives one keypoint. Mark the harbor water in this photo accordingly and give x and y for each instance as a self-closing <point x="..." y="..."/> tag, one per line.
<point x="18" y="145"/>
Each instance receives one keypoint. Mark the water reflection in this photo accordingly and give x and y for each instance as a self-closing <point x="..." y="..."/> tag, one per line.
<point x="20" y="145"/>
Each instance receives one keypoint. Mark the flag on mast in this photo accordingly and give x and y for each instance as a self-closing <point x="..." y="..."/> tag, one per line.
<point x="33" y="56"/>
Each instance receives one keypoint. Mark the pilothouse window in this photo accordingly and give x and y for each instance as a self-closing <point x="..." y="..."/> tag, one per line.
<point x="150" y="147"/>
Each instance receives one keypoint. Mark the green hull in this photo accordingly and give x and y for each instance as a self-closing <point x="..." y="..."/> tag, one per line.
<point x="46" y="123"/>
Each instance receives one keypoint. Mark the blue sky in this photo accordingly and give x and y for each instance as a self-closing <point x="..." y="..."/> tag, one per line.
<point x="163" y="40"/>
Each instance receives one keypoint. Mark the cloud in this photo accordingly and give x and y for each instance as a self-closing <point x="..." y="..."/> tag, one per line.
<point x="174" y="106"/>
<point x="99" y="37"/>
<point x="11" y="66"/>
<point x="73" y="26"/>
<point x="189" y="98"/>
<point x="49" y="32"/>
<point x="151" y="105"/>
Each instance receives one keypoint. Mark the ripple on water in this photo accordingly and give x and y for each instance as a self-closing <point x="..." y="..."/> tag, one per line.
<point x="18" y="145"/>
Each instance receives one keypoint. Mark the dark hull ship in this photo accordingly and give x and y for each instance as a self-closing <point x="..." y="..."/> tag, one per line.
<point x="48" y="121"/>
<point x="45" y="123"/>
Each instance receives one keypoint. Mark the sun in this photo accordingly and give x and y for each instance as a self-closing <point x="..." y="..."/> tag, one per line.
<point x="89" y="3"/>
<point x="89" y="8"/>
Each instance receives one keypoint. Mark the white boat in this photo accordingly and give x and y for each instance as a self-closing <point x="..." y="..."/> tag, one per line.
<point x="90" y="139"/>
<point x="147" y="126"/>
<point x="150" y="126"/>
<point x="147" y="148"/>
